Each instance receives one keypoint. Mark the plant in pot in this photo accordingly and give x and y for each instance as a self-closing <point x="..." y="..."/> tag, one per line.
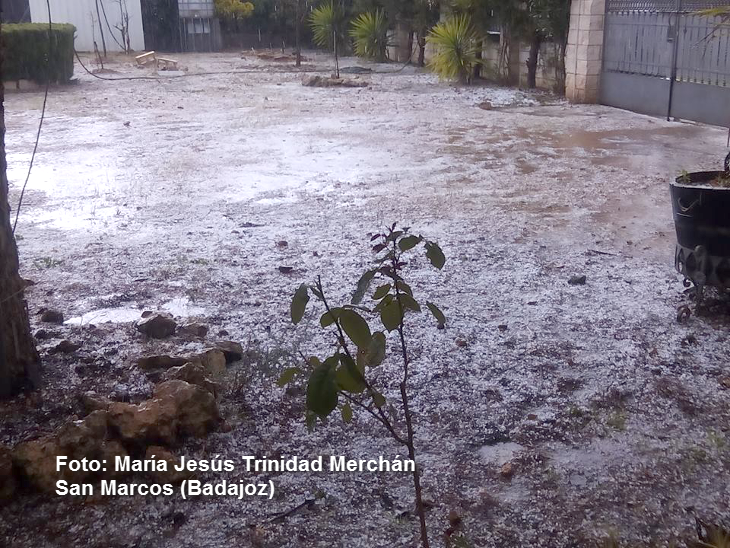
<point x="701" y="207"/>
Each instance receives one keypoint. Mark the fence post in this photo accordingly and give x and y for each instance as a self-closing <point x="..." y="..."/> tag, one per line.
<point x="673" y="73"/>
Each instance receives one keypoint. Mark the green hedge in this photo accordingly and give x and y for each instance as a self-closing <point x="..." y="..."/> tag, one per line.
<point x="25" y="49"/>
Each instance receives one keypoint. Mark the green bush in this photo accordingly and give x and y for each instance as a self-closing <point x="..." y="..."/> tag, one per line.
<point x="25" y="52"/>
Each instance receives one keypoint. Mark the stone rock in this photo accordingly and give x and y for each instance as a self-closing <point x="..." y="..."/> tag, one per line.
<point x="37" y="461"/>
<point x="577" y="280"/>
<point x="7" y="478"/>
<point x="155" y="452"/>
<point x="232" y="350"/>
<point x="162" y="361"/>
<point x="193" y="373"/>
<point x="507" y="470"/>
<point x="87" y="438"/>
<point x="176" y="409"/>
<point x="65" y="347"/>
<point x="43" y="334"/>
<point x="214" y="362"/>
<point x="52" y="316"/>
<point x="91" y="402"/>
<point x="157" y="326"/>
<point x="83" y="435"/>
<point x="194" y="330"/>
<point x="725" y="382"/>
<point x="330" y="82"/>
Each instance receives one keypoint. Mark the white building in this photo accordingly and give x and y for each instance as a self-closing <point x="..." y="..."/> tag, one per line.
<point x="90" y="21"/>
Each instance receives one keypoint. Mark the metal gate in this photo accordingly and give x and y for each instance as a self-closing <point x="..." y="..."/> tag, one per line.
<point x="661" y="58"/>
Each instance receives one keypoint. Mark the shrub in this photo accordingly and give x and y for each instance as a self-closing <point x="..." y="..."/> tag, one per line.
<point x="25" y="51"/>
<point x="348" y="378"/>
<point x="456" y="49"/>
<point x="370" y="34"/>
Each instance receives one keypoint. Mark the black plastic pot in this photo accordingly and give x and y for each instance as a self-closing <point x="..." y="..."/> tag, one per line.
<point x="702" y="222"/>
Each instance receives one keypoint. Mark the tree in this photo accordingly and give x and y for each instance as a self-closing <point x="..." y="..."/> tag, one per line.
<point x="328" y="22"/>
<point x="456" y="44"/>
<point x="548" y="19"/>
<point x="233" y="9"/>
<point x="425" y="16"/>
<point x="369" y="32"/>
<point x="19" y="360"/>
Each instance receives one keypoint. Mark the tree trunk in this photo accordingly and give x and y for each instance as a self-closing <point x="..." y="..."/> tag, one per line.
<point x="297" y="32"/>
<point x="532" y="60"/>
<point x="560" y="69"/>
<point x="478" y="64"/>
<point x="421" y="48"/>
<point x="410" y="45"/>
<point x="19" y="361"/>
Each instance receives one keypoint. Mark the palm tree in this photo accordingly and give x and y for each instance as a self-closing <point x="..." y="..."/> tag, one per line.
<point x="370" y="35"/>
<point x="456" y="48"/>
<point x="328" y="26"/>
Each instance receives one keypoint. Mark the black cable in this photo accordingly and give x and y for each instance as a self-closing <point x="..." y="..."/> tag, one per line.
<point x="43" y="115"/>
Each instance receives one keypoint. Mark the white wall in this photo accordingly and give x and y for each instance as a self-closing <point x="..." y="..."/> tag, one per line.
<point x="82" y="14"/>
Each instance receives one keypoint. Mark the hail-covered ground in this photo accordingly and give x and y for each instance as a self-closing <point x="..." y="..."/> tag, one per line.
<point x="187" y="194"/>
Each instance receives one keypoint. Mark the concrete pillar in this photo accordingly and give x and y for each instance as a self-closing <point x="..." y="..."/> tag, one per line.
<point x="583" y="54"/>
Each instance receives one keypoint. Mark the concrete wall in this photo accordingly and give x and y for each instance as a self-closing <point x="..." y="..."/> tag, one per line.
<point x="583" y="56"/>
<point x="82" y="14"/>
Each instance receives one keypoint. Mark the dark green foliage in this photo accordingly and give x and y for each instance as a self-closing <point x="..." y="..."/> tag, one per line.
<point x="369" y="32"/>
<point x="26" y="51"/>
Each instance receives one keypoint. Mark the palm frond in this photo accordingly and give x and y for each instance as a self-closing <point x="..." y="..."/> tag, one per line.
<point x="456" y="47"/>
<point x="325" y="20"/>
<point x="370" y="34"/>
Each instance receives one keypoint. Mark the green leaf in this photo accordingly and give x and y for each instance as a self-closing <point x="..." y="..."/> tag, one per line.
<point x="328" y="318"/>
<point x="348" y="376"/>
<point x="409" y="242"/>
<point x="346" y="413"/>
<point x="409" y="302"/>
<point x="435" y="255"/>
<point x="404" y="287"/>
<point x="381" y="292"/>
<point x="440" y="318"/>
<point x="322" y="391"/>
<point x="311" y="419"/>
<point x="362" y="286"/>
<point x="393" y="236"/>
<point x="378" y="399"/>
<point x="385" y="302"/>
<point x="356" y="327"/>
<point x="391" y="316"/>
<point x="299" y="303"/>
<point x="376" y="349"/>
<point x="287" y="376"/>
<point x="347" y="382"/>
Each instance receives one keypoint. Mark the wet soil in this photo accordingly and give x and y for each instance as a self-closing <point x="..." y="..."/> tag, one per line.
<point x="175" y="194"/>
